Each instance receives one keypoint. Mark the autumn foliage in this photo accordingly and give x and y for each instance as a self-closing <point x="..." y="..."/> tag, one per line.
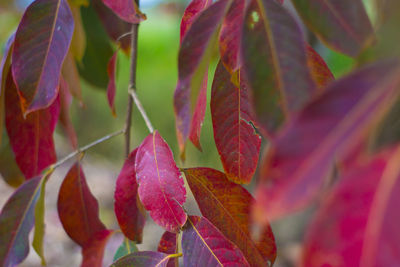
<point x="278" y="115"/>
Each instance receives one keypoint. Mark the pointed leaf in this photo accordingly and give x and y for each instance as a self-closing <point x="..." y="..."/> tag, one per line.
<point x="328" y="128"/>
<point x="237" y="142"/>
<point x="127" y="247"/>
<point x="111" y="88"/>
<point x="126" y="9"/>
<point x="16" y="221"/>
<point x="9" y="169"/>
<point x="168" y="245"/>
<point x="143" y="259"/>
<point x="357" y="223"/>
<point x="230" y="212"/>
<point x="274" y="63"/>
<point x="341" y="24"/>
<point x="194" y="8"/>
<point x="204" y="245"/>
<point x="320" y="72"/>
<point x="78" y="208"/>
<point x="161" y="187"/>
<point x="128" y="208"/>
<point x="31" y="138"/>
<point x="53" y="19"/>
<point x="93" y="251"/>
<point x="194" y="56"/>
<point x="38" y="237"/>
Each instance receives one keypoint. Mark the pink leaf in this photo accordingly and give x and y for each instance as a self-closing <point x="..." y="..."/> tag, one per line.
<point x="168" y="245"/>
<point x="127" y="10"/>
<point x="191" y="12"/>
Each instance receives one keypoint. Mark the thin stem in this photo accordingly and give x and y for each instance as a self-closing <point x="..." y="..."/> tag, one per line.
<point x="132" y="84"/>
<point x="139" y="105"/>
<point x="84" y="148"/>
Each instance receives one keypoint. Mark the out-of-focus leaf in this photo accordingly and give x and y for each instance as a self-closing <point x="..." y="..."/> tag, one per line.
<point x="93" y="251"/>
<point x="237" y="142"/>
<point x="301" y="156"/>
<point x="168" y="245"/>
<point x="31" y="138"/>
<point x="9" y="169"/>
<point x="274" y="63"/>
<point x="143" y="259"/>
<point x="79" y="2"/>
<point x="71" y="76"/>
<point x="230" y="36"/>
<point x="357" y="223"/>
<point x="194" y="56"/>
<point x="161" y="187"/>
<point x="111" y="87"/>
<point x="320" y="72"/>
<point x="343" y="25"/>
<point x="78" y="208"/>
<point x="127" y="206"/>
<point x="114" y="26"/>
<point x="127" y="247"/>
<point x="191" y="12"/>
<point x="204" y="245"/>
<point x="38" y="237"/>
<point x="5" y="66"/>
<point x="78" y="43"/>
<point x="65" y="120"/>
<point x="41" y="43"/>
<point x="230" y="213"/>
<point x="126" y="10"/>
<point x="16" y="221"/>
<point x="98" y="50"/>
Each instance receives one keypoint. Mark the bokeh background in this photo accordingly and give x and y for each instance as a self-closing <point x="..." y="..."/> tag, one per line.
<point x="156" y="80"/>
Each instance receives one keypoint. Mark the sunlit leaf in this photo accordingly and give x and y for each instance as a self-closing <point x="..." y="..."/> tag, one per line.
<point x="126" y="10"/>
<point x="168" y="244"/>
<point x="31" y="138"/>
<point x="41" y="44"/>
<point x="161" y="187"/>
<point x="204" y="245"/>
<point x="143" y="259"/>
<point x="274" y="63"/>
<point x="230" y="212"/>
<point x="127" y="206"/>
<point x="237" y="142"/>
<point x="301" y="157"/>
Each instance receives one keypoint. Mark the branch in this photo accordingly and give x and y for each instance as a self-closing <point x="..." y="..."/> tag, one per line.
<point x="139" y="105"/>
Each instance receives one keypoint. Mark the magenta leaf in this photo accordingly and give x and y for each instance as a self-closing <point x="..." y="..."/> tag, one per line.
<point x="161" y="187"/>
<point x="127" y="10"/>
<point x="41" y="44"/>
<point x="194" y="8"/>
<point x="204" y="245"/>
<point x="128" y="208"/>
<point x="168" y="245"/>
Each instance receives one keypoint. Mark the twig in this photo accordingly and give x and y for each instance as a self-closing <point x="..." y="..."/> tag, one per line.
<point x="139" y="105"/>
<point x="84" y="148"/>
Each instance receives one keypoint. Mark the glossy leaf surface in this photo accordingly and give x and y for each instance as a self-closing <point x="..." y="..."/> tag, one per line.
<point x="204" y="245"/>
<point x="168" y="245"/>
<point x="16" y="221"/>
<point x="302" y="155"/>
<point x="237" y="142"/>
<point x="128" y="209"/>
<point x="194" y="56"/>
<point x="93" y="251"/>
<point x="231" y="205"/>
<point x="112" y="87"/>
<point x="342" y="24"/>
<point x="78" y="208"/>
<point x="31" y="138"/>
<point x="357" y="222"/>
<point x="161" y="187"/>
<point x="143" y="259"/>
<point x="126" y="10"/>
<point x="41" y="43"/>
<point x="274" y="63"/>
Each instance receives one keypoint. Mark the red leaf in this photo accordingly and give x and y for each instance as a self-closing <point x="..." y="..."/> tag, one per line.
<point x="357" y="224"/>
<point x="143" y="259"/>
<point x="128" y="208"/>
<point x="198" y="116"/>
<point x="127" y="10"/>
<point x="204" y="245"/>
<point x="237" y="142"/>
<point x="230" y="213"/>
<point x="65" y="120"/>
<point x="41" y="44"/>
<point x="78" y="208"/>
<point x="303" y="153"/>
<point x="16" y="221"/>
<point x="111" y="88"/>
<point x="191" y="12"/>
<point x="161" y="187"/>
<point x="194" y="57"/>
<point x="93" y="251"/>
<point x="230" y="36"/>
<point x="320" y="72"/>
<point x="274" y="63"/>
<point x="31" y="138"/>
<point x="341" y="24"/>
<point x="168" y="245"/>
